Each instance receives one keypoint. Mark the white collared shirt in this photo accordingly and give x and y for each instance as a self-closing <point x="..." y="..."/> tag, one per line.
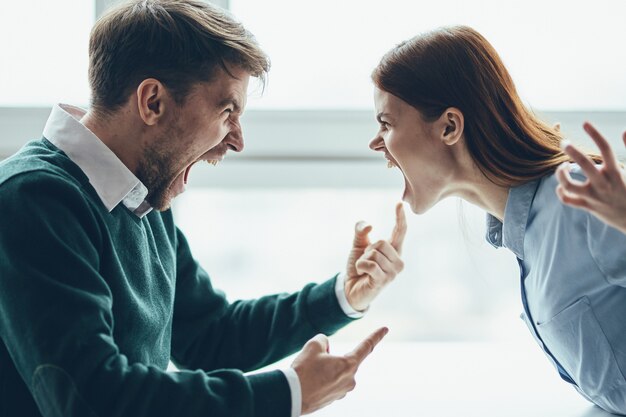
<point x="115" y="183"/>
<point x="107" y="174"/>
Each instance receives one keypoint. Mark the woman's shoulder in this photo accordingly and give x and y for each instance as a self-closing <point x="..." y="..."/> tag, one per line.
<point x="547" y="205"/>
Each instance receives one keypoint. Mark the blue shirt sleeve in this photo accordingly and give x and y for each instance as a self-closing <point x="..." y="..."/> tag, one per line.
<point x="608" y="249"/>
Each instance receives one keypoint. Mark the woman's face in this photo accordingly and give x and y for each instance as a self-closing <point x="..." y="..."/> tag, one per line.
<point x="418" y="148"/>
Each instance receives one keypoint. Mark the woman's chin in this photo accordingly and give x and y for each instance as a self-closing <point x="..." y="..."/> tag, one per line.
<point x="417" y="207"/>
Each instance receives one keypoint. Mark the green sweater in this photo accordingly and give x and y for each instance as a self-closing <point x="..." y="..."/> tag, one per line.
<point x="93" y="305"/>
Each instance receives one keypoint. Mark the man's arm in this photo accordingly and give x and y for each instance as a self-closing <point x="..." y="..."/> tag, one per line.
<point x="210" y="333"/>
<point x="57" y="324"/>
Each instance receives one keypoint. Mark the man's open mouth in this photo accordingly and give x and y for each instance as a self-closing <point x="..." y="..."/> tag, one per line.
<point x="213" y="162"/>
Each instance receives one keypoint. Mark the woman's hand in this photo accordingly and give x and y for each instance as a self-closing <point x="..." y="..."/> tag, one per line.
<point x="604" y="192"/>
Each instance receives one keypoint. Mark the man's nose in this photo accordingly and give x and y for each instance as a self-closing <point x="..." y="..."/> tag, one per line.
<point x="234" y="139"/>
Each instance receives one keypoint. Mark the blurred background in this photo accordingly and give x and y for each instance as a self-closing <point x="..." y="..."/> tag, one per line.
<point x="282" y="213"/>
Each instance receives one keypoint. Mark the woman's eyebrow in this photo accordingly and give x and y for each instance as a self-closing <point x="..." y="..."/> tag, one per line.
<point x="380" y="115"/>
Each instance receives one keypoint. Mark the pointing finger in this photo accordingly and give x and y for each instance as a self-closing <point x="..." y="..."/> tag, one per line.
<point x="367" y="346"/>
<point x="399" y="230"/>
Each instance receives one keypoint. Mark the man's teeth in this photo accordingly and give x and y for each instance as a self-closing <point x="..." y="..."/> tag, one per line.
<point x="213" y="162"/>
<point x="390" y="164"/>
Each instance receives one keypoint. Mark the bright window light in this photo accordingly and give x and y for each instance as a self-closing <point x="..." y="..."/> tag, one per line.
<point x="43" y="50"/>
<point x="563" y="55"/>
<point x="455" y="286"/>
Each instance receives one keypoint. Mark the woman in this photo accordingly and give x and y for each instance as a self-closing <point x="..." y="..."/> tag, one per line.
<point x="452" y="122"/>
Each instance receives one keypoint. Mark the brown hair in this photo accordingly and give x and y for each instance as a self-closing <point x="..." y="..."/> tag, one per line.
<point x="458" y="67"/>
<point x="178" y="42"/>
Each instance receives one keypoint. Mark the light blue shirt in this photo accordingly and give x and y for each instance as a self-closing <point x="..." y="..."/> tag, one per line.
<point x="573" y="282"/>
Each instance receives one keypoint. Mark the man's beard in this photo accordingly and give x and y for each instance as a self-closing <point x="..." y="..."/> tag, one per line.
<point x="156" y="171"/>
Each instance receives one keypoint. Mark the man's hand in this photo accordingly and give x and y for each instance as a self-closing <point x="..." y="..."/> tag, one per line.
<point x="372" y="266"/>
<point x="603" y="193"/>
<point x="325" y="378"/>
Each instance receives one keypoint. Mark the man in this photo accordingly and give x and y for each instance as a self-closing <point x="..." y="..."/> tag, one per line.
<point x="98" y="288"/>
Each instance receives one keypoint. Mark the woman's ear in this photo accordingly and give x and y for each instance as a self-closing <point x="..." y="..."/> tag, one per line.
<point x="451" y="124"/>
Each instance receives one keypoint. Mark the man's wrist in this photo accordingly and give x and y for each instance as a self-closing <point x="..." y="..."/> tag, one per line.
<point x="340" y="292"/>
<point x="296" y="391"/>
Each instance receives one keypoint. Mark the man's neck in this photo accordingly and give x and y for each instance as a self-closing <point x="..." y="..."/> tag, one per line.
<point x="118" y="135"/>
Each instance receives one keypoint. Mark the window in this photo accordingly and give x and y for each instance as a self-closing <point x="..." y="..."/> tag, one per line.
<point x="562" y="55"/>
<point x="281" y="214"/>
<point x="44" y="48"/>
<point x="257" y="241"/>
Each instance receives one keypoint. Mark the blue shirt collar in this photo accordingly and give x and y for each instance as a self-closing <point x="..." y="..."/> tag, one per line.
<point x="511" y="234"/>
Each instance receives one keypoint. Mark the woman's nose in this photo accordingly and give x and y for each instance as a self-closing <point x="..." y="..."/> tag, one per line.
<point x="376" y="143"/>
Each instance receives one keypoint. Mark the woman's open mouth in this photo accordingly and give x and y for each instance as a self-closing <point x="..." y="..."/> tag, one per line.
<point x="390" y="162"/>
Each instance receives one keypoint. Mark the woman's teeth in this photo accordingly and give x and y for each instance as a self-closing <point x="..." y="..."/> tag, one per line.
<point x="390" y="164"/>
<point x="213" y="162"/>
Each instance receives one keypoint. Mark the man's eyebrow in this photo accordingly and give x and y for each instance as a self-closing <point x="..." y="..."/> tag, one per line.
<point x="232" y="101"/>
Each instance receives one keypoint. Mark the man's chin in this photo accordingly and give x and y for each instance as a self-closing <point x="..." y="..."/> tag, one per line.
<point x="162" y="201"/>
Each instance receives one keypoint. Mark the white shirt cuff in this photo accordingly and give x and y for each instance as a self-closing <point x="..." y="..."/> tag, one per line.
<point x="340" y="292"/>
<point x="296" y="391"/>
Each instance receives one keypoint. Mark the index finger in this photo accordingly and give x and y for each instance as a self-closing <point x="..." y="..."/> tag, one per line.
<point x="605" y="149"/>
<point x="367" y="346"/>
<point x="399" y="230"/>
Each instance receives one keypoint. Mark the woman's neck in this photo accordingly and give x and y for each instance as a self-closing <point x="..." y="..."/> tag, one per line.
<point x="469" y="183"/>
<point x="488" y="196"/>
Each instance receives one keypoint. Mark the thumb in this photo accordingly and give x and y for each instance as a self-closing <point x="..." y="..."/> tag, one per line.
<point x="361" y="232"/>
<point x="318" y="344"/>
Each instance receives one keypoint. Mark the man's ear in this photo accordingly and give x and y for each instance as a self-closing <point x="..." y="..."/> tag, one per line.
<point x="451" y="125"/>
<point x="151" y="100"/>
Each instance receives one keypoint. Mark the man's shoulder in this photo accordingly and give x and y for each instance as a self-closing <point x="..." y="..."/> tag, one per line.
<point x="39" y="163"/>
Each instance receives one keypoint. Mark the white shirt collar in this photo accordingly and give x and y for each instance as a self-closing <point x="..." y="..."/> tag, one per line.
<point x="108" y="175"/>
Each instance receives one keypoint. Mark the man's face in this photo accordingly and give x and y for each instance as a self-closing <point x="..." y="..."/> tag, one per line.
<point x="203" y="128"/>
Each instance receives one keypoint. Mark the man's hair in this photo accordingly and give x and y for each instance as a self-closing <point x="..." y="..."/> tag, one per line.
<point x="178" y="42"/>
